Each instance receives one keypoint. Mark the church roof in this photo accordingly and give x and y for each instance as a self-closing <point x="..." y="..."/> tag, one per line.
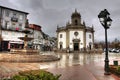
<point x="90" y="29"/>
<point x="70" y="26"/>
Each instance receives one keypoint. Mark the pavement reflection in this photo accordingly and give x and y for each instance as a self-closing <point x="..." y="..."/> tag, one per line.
<point x="82" y="66"/>
<point x="72" y="59"/>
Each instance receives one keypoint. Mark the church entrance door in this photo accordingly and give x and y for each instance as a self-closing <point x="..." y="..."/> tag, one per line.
<point x="76" y="46"/>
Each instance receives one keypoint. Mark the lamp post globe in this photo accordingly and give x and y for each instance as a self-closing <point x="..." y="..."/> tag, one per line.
<point x="105" y="20"/>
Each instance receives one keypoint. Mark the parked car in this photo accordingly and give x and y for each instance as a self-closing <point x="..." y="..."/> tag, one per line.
<point x="110" y="49"/>
<point x="114" y="50"/>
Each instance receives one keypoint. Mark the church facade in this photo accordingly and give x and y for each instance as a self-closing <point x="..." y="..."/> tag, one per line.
<point x="75" y="36"/>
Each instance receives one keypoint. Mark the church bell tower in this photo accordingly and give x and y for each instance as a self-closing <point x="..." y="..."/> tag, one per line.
<point x="76" y="18"/>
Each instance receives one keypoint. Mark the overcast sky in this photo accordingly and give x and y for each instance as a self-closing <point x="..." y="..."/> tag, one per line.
<point x="50" y="13"/>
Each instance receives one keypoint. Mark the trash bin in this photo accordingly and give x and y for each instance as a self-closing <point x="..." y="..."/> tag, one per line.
<point x="115" y="63"/>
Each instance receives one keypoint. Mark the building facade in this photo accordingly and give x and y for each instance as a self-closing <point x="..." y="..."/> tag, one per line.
<point x="12" y="23"/>
<point x="75" y="36"/>
<point x="37" y="42"/>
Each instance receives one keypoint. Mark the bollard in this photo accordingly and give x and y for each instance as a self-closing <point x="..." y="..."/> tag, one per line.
<point x="115" y="63"/>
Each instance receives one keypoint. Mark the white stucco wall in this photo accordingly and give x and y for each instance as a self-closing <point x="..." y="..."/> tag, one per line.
<point x="37" y="35"/>
<point x="63" y="39"/>
<point x="72" y="36"/>
<point x="88" y="39"/>
<point x="80" y="36"/>
<point x="21" y="19"/>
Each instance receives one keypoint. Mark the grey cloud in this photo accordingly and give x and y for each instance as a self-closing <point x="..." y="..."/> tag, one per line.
<point x="30" y="4"/>
<point x="50" y="13"/>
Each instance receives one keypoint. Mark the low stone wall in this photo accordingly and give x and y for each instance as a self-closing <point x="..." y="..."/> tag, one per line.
<point x="99" y="51"/>
<point x="27" y="58"/>
<point x="24" y="51"/>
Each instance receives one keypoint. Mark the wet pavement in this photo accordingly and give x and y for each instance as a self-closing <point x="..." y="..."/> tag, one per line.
<point x="84" y="67"/>
<point x="73" y="66"/>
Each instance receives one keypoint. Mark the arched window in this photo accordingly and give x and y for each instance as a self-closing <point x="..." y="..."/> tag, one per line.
<point x="60" y="35"/>
<point x="90" y="36"/>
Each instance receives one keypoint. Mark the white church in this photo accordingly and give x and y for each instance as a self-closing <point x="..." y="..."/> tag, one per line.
<point x="75" y="36"/>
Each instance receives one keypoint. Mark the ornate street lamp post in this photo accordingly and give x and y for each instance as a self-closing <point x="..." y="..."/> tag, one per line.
<point x="105" y="20"/>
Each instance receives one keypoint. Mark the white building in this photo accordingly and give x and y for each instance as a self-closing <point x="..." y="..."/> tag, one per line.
<point x="12" y="23"/>
<point x="75" y="35"/>
<point x="37" y="42"/>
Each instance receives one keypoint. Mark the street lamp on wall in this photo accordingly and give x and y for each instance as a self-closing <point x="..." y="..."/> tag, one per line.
<point x="105" y="20"/>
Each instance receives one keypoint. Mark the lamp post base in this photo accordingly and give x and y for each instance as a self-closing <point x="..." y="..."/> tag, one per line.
<point x="107" y="69"/>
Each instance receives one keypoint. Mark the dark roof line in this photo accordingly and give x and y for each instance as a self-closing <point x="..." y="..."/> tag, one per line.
<point x="35" y="25"/>
<point x="14" y="9"/>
